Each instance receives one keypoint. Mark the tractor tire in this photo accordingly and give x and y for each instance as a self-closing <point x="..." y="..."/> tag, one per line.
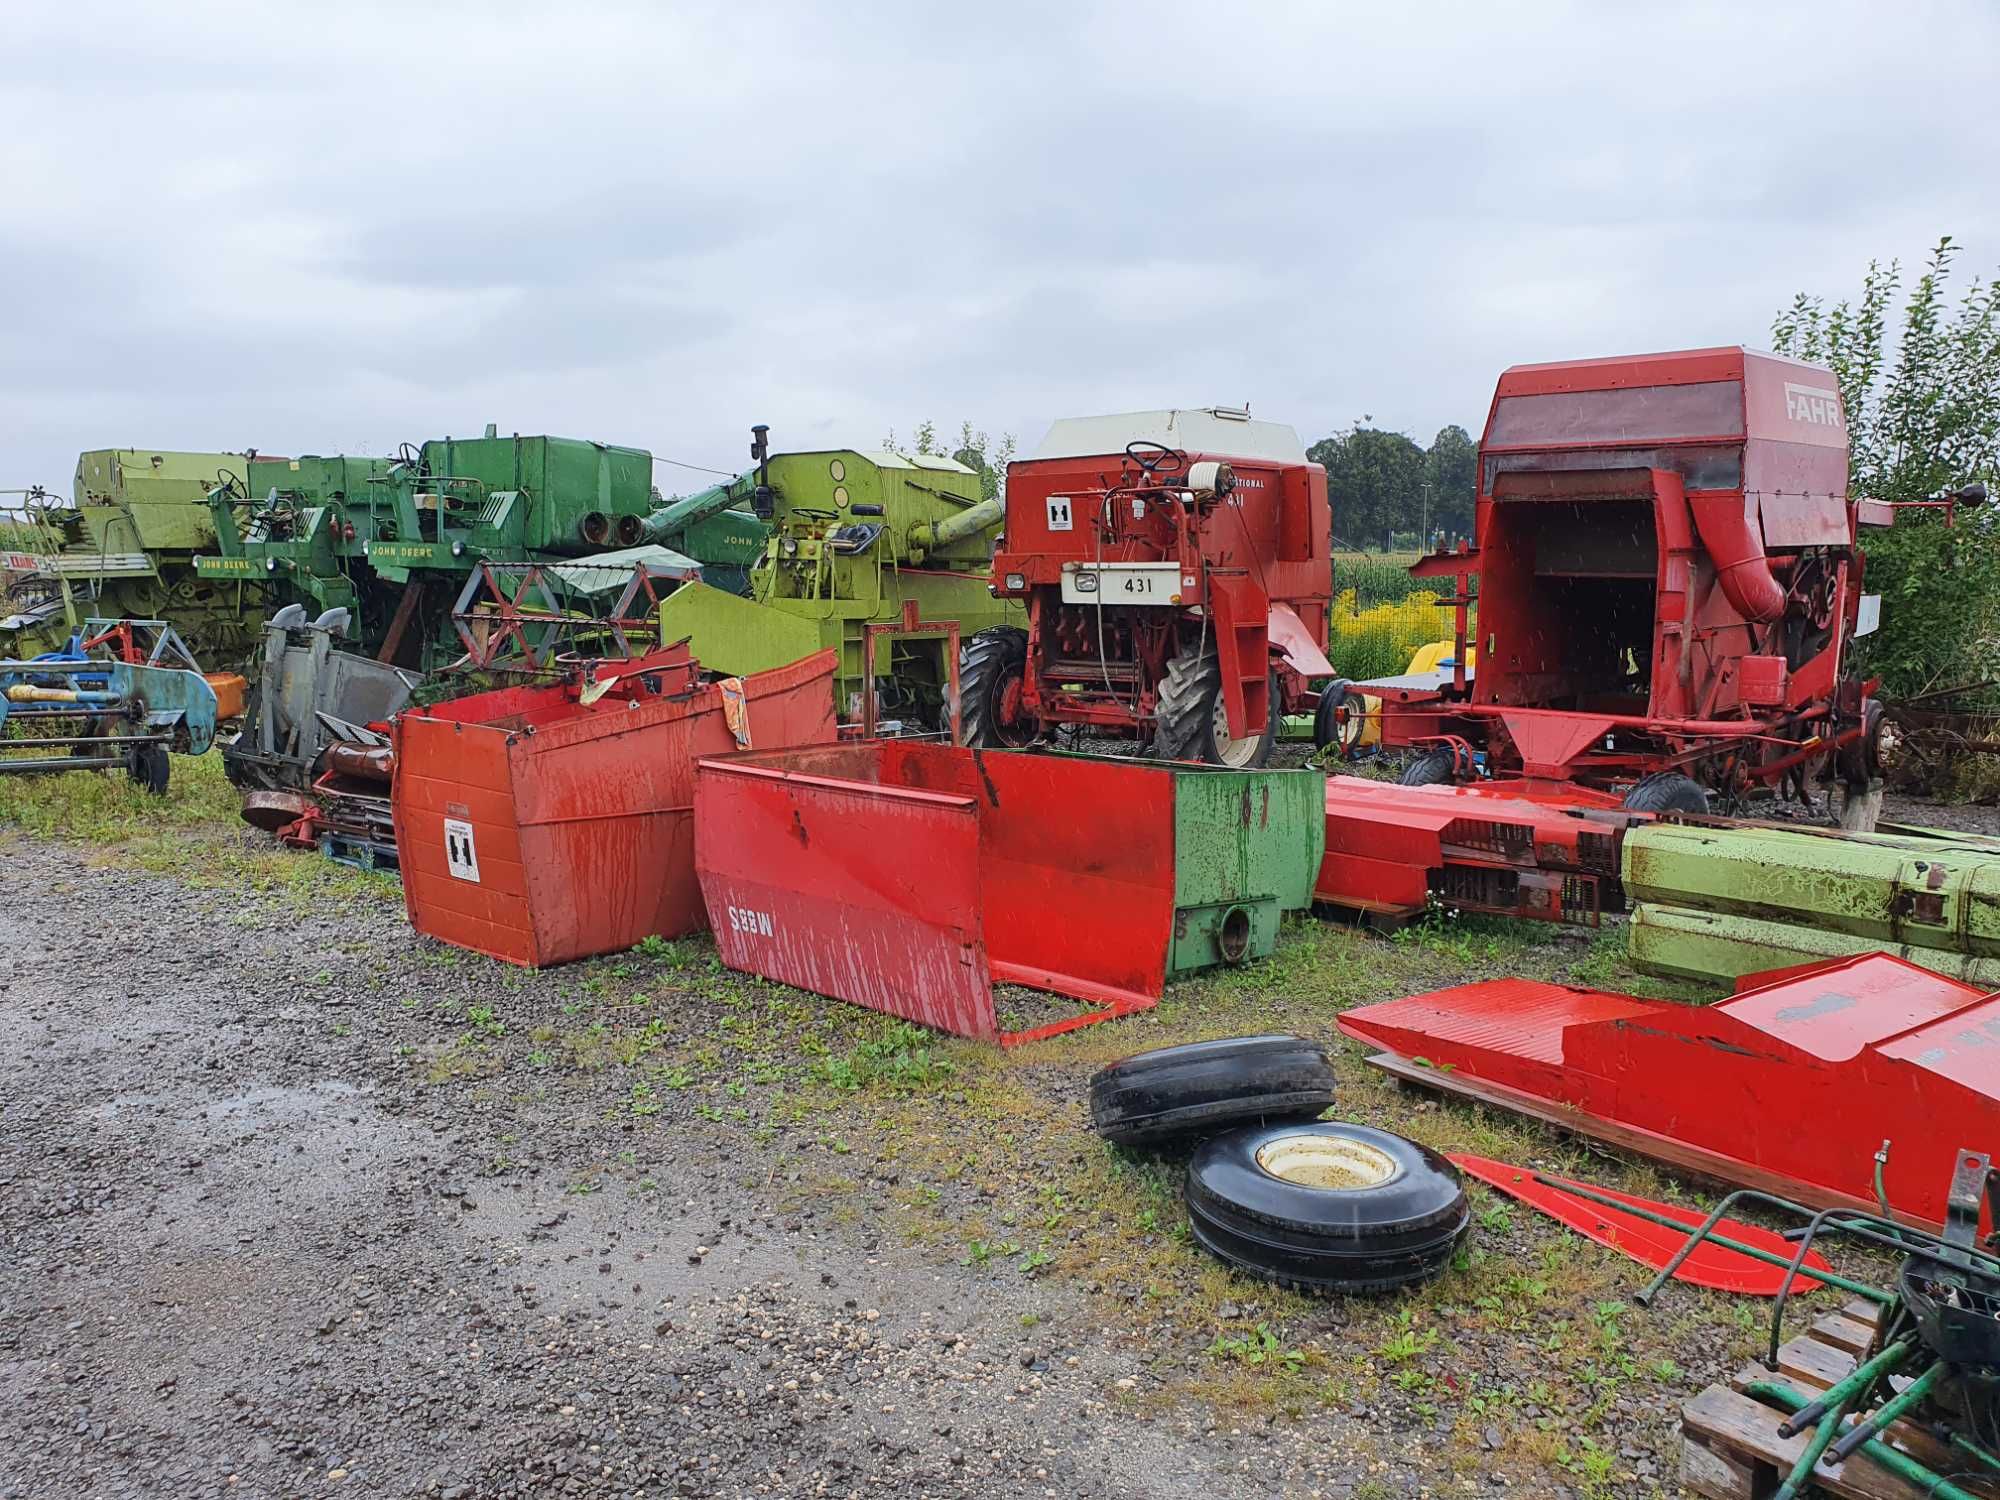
<point x="1667" y="791"/>
<point x="1432" y="768"/>
<point x="1189" y="722"/>
<point x="1326" y="1206"/>
<point x="990" y="667"/>
<point x="1208" y="1086"/>
<point x="1329" y="727"/>
<point x="149" y="768"/>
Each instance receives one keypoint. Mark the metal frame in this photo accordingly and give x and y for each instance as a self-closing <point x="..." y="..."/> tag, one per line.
<point x="911" y="624"/>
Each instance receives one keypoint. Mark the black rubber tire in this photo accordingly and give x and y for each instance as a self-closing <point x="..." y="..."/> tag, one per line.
<point x="1208" y="1086"/>
<point x="1184" y="721"/>
<point x="1326" y="718"/>
<point x="1396" y="1232"/>
<point x="1432" y="768"/>
<point x="1861" y="762"/>
<point x="1667" y="791"/>
<point x="986" y="664"/>
<point x="149" y="768"/>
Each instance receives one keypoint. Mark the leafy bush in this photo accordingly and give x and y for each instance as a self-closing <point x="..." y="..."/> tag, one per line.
<point x="1378" y="641"/>
<point x="1923" y="415"/>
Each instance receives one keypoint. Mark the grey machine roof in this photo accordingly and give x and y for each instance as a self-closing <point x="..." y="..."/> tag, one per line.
<point x="1225" y="431"/>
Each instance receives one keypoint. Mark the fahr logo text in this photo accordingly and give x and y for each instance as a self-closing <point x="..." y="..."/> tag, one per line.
<point x="1812" y="404"/>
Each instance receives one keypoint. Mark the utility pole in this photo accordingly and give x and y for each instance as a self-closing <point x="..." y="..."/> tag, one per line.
<point x="1424" y="526"/>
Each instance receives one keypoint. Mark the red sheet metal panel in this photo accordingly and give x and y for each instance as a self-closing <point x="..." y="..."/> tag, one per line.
<point x="1651" y="1244"/>
<point x="910" y="877"/>
<point x="1479" y="847"/>
<point x="1798" y="1080"/>
<point x="870" y="893"/>
<point x="545" y="824"/>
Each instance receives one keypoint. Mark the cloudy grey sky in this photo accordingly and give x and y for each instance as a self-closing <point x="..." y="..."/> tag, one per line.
<point x="325" y="227"/>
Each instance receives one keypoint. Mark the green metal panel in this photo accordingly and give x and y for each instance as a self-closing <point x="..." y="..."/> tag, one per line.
<point x="1924" y="888"/>
<point x="730" y="634"/>
<point x="734" y="538"/>
<point x="147" y="477"/>
<point x="1721" y="947"/>
<point x="563" y="478"/>
<point x="1244" y="841"/>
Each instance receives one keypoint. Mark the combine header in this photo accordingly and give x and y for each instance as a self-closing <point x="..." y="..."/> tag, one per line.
<point x="1669" y="584"/>
<point x="1176" y="568"/>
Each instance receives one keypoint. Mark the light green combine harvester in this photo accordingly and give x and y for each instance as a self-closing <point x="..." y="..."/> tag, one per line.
<point x="856" y="538"/>
<point x="124" y="546"/>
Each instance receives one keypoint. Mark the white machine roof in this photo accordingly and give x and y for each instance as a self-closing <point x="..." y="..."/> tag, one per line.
<point x="1199" y="429"/>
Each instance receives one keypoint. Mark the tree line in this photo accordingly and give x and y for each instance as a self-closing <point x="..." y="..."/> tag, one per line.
<point x="1389" y="494"/>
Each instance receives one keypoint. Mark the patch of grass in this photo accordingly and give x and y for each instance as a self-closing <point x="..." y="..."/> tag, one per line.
<point x="193" y="833"/>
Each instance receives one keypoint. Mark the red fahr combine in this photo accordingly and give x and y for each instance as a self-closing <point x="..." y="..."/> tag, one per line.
<point x="1176" y="570"/>
<point x="1669" y="588"/>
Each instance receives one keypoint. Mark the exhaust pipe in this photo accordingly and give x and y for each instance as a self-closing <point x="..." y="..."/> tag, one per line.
<point x="595" y="527"/>
<point x="628" y="530"/>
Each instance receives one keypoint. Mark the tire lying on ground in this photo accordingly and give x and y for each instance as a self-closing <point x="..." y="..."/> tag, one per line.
<point x="1174" y="1091"/>
<point x="1327" y="1206"/>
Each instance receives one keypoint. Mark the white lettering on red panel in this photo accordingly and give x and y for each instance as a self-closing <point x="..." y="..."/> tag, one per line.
<point x="1814" y="405"/>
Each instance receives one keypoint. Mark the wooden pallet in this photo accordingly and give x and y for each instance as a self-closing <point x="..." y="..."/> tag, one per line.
<point x="1730" y="1448"/>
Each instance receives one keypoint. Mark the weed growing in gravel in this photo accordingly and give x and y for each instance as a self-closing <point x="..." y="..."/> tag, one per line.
<point x="1259" y="1346"/>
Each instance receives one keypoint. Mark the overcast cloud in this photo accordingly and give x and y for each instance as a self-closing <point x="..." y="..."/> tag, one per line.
<point x="316" y="228"/>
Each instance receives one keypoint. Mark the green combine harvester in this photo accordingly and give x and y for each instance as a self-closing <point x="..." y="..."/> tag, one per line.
<point x="856" y="538"/>
<point x="394" y="540"/>
<point x="125" y="546"/>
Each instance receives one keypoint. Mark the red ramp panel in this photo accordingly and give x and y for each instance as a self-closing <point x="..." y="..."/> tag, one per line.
<point x="1790" y="1086"/>
<point x="868" y="893"/>
<point x="548" y="823"/>
<point x="911" y="878"/>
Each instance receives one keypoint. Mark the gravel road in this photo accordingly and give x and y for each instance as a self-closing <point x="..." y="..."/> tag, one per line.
<point x="251" y="1250"/>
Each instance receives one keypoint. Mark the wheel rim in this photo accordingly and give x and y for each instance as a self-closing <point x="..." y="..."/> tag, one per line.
<point x="1229" y="750"/>
<point x="1331" y="1163"/>
<point x="1007" y="726"/>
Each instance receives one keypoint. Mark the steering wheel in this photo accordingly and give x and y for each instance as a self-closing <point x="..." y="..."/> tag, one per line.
<point x="1156" y="458"/>
<point x="815" y="513"/>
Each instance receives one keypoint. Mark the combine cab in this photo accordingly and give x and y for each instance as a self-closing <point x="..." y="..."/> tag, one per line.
<point x="1175" y="567"/>
<point x="1669" y="585"/>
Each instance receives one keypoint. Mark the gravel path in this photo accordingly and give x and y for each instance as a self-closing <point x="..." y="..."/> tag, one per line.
<point x="249" y="1250"/>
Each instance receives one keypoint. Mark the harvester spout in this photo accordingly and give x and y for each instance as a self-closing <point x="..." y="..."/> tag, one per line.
<point x="929" y="536"/>
<point x="677" y="515"/>
<point x="1726" y="529"/>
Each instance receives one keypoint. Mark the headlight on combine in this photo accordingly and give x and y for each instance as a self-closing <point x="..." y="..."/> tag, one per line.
<point x="1086" y="583"/>
<point x="789" y="546"/>
<point x="1017" y="581"/>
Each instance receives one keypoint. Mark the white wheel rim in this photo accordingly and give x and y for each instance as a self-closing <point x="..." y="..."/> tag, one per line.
<point x="1229" y="750"/>
<point x="1331" y="1163"/>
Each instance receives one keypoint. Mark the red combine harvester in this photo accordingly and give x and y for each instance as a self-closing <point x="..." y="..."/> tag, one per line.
<point x="1669" y="581"/>
<point x="1176" y="570"/>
